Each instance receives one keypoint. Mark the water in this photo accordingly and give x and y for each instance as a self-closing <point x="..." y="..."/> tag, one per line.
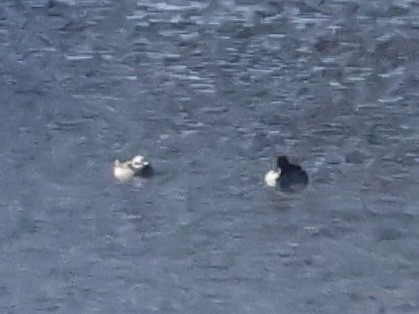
<point x="210" y="92"/>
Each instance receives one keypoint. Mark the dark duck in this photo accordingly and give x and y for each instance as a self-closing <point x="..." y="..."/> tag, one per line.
<point x="287" y="176"/>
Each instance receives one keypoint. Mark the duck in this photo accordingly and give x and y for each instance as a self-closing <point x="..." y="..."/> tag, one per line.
<point x="287" y="176"/>
<point x="137" y="166"/>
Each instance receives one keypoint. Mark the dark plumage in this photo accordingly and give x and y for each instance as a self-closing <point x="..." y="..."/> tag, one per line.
<point x="292" y="177"/>
<point x="146" y="171"/>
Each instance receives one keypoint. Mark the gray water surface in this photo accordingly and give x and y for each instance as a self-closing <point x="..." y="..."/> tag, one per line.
<point x="210" y="92"/>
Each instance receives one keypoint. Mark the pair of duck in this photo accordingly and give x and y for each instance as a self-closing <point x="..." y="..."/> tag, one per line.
<point x="288" y="177"/>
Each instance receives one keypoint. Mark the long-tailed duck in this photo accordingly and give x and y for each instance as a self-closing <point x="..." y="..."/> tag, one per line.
<point x="289" y="177"/>
<point x="124" y="171"/>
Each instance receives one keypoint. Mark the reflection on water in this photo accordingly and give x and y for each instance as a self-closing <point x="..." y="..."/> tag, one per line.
<point x="211" y="93"/>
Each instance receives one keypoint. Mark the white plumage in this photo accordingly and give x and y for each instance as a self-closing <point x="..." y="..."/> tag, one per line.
<point x="272" y="177"/>
<point x="124" y="171"/>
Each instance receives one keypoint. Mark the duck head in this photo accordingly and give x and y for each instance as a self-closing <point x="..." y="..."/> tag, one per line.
<point x="282" y="162"/>
<point x="138" y="162"/>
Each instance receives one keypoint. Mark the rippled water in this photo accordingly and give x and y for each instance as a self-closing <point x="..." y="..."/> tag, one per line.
<point x="210" y="92"/>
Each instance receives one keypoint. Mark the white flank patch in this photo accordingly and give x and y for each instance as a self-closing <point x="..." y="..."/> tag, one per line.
<point x="122" y="174"/>
<point x="271" y="177"/>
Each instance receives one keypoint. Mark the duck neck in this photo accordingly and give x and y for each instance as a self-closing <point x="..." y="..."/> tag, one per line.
<point x="131" y="167"/>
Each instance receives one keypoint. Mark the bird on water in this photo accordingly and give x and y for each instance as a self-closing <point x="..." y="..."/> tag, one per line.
<point x="137" y="166"/>
<point x="287" y="176"/>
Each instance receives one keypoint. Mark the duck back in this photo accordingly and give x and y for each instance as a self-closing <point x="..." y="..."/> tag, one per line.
<point x="293" y="179"/>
